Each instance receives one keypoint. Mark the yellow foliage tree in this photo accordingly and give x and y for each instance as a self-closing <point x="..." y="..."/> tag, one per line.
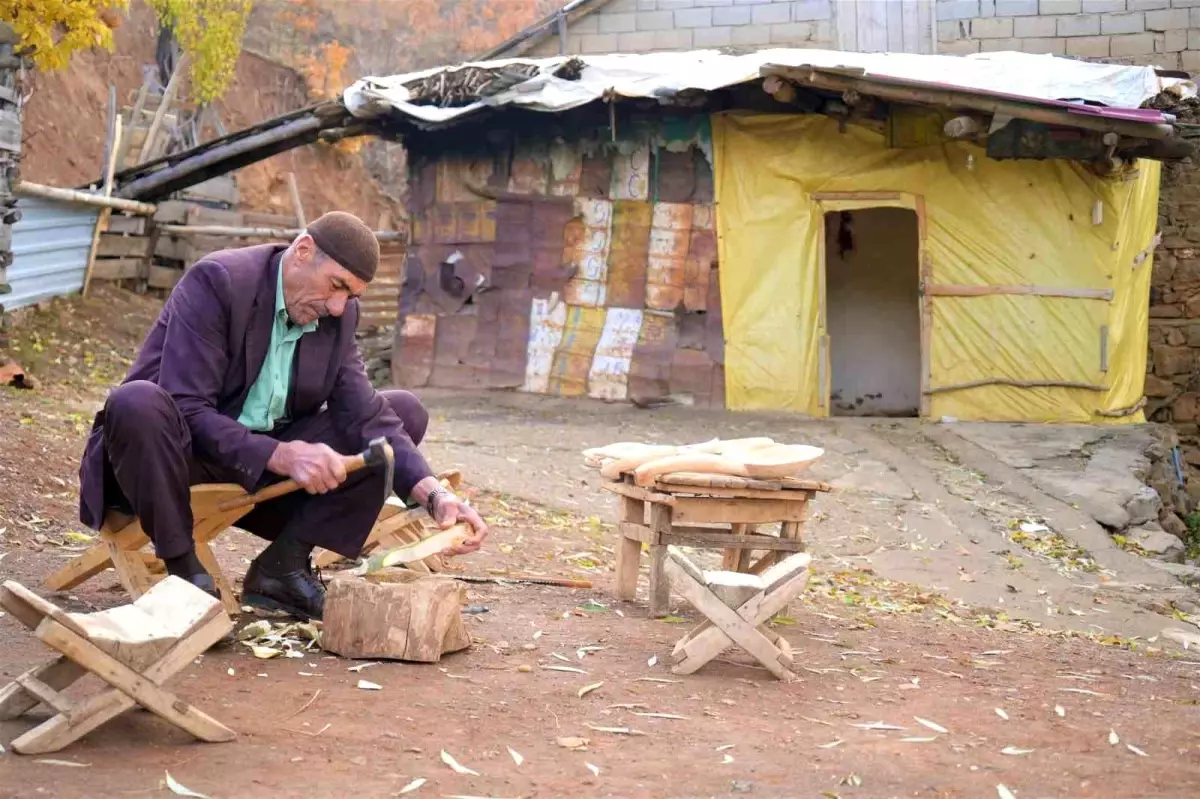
<point x="51" y="30"/>
<point x="210" y="32"/>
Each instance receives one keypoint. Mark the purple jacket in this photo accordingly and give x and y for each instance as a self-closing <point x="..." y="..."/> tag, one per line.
<point x="206" y="349"/>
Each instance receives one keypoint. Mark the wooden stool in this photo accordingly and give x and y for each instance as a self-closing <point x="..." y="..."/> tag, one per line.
<point x="134" y="648"/>
<point x="730" y="508"/>
<point x="737" y="607"/>
<point x="122" y="539"/>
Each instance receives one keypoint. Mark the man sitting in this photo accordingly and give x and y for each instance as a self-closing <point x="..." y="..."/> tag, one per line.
<point x="250" y="375"/>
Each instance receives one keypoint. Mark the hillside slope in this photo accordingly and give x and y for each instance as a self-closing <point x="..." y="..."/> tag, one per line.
<point x="66" y="119"/>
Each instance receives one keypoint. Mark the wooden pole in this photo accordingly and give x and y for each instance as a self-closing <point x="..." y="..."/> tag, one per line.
<point x="948" y="98"/>
<point x="28" y="189"/>
<point x="297" y="206"/>
<point x="258" y="232"/>
<point x="127" y="140"/>
<point x="1004" y="381"/>
<point x="148" y="149"/>
<point x="105" y="213"/>
<point x="947" y="290"/>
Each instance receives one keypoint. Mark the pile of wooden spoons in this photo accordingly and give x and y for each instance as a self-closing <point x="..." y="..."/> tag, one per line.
<point x="756" y="458"/>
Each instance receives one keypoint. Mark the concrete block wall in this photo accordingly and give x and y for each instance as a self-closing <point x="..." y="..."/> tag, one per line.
<point x="639" y="26"/>
<point x="1162" y="33"/>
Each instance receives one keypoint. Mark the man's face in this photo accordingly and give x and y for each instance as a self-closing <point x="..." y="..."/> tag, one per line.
<point x="315" y="285"/>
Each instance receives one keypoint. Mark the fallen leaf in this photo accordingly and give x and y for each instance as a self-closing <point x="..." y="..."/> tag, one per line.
<point x="1113" y="738"/>
<point x="1136" y="751"/>
<point x="458" y="768"/>
<point x="572" y="743"/>
<point x="1005" y="793"/>
<point x="563" y="658"/>
<point x="587" y="689"/>
<point x="673" y="619"/>
<point x="180" y="790"/>
<point x="1001" y="714"/>
<point x="930" y="724"/>
<point x="49" y="761"/>
<point x="594" y="769"/>
<point x="516" y="756"/>
<point x="615" y="730"/>
<point x="652" y="661"/>
<point x="414" y="785"/>
<point x="361" y="666"/>
<point x="78" y="538"/>
<point x="918" y="740"/>
<point x="1061" y="711"/>
<point x="661" y="716"/>
<point x="364" y="685"/>
<point x="877" y="725"/>
<point x="1012" y="750"/>
<point x="831" y="744"/>
<point x="571" y="669"/>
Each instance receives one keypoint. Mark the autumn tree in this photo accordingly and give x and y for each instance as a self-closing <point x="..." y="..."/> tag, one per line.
<point x="49" y="31"/>
<point x="210" y="32"/>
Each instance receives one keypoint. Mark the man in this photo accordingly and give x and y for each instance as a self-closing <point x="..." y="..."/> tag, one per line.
<point x="252" y="374"/>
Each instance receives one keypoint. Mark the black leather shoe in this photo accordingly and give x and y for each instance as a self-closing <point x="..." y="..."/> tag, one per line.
<point x="205" y="583"/>
<point x="299" y="593"/>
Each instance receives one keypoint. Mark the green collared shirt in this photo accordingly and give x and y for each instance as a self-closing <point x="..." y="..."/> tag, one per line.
<point x="266" y="403"/>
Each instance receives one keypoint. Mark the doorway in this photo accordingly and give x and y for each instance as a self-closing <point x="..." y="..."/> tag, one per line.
<point x="873" y="317"/>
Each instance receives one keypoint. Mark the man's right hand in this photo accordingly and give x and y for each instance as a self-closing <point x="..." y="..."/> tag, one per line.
<point x="316" y="467"/>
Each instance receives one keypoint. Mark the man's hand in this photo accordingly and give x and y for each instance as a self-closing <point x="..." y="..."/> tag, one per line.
<point x="316" y="467"/>
<point x="449" y="510"/>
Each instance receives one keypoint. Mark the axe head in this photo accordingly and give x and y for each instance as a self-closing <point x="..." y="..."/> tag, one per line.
<point x="379" y="453"/>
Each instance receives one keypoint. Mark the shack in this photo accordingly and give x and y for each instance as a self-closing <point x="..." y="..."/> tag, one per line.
<point x="828" y="233"/>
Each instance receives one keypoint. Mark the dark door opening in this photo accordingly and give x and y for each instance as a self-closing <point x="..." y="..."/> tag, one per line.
<point x="872" y="280"/>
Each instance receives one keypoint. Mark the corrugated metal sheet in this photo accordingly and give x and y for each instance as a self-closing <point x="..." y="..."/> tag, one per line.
<point x="50" y="250"/>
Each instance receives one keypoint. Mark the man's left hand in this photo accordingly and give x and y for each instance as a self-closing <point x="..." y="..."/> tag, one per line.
<point x="449" y="510"/>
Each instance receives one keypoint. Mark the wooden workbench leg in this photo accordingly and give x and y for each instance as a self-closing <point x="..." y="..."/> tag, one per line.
<point x="795" y="532"/>
<point x="629" y="550"/>
<point x="660" y="586"/>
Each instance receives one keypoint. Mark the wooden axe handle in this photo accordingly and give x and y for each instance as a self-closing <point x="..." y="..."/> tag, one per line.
<point x="353" y="464"/>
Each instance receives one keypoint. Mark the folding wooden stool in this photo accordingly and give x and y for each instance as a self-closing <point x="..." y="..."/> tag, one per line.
<point x="122" y="540"/>
<point x="134" y="648"/>
<point x="737" y="607"/>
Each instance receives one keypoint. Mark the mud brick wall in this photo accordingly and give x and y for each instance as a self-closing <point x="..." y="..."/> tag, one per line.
<point x="596" y="262"/>
<point x="1173" y="379"/>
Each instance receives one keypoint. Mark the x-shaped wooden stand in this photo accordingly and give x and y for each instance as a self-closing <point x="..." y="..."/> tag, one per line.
<point x="132" y="648"/>
<point x="737" y="607"/>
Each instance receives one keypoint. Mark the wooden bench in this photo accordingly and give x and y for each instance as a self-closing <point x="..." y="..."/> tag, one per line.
<point x="707" y="511"/>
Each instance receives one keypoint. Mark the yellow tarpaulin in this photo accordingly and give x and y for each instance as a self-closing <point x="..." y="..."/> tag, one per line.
<point x="986" y="223"/>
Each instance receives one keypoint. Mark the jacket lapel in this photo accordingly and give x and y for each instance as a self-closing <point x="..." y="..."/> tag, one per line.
<point x="258" y="330"/>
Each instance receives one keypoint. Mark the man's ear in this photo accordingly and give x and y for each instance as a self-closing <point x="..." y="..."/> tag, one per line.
<point x="305" y="248"/>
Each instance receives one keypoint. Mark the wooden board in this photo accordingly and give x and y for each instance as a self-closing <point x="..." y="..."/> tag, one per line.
<point x="221" y="190"/>
<point x="699" y="510"/>
<point x="415" y="621"/>
<point x="256" y="219"/>
<point x="114" y="245"/>
<point x="172" y="212"/>
<point x="697" y="480"/>
<point x="117" y="268"/>
<point x="163" y="277"/>
<point x="133" y="225"/>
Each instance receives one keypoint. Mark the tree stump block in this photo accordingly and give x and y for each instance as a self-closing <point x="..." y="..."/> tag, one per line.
<point x="419" y="620"/>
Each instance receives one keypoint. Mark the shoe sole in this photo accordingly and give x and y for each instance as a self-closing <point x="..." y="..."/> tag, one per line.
<point x="266" y="603"/>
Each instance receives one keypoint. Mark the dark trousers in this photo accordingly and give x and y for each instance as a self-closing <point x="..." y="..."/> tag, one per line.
<point x="150" y="467"/>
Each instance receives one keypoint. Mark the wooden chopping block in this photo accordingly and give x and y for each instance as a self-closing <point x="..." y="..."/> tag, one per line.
<point x="417" y="621"/>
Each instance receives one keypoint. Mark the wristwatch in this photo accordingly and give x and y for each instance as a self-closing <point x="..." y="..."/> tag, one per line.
<point x="432" y="499"/>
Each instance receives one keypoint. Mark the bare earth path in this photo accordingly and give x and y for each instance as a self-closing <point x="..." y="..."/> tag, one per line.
<point x="1003" y="662"/>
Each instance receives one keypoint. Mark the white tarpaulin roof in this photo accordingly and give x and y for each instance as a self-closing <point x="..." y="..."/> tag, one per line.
<point x="1037" y="77"/>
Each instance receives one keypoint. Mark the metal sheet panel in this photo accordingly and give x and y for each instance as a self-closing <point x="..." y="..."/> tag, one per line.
<point x="608" y="378"/>
<point x="50" y="250"/>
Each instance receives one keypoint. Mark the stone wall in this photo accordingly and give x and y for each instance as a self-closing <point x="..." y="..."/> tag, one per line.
<point x="1148" y="32"/>
<point x="630" y="26"/>
<point x="1164" y="33"/>
<point x="1173" y="366"/>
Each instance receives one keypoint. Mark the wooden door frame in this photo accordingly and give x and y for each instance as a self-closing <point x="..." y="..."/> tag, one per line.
<point x="830" y="202"/>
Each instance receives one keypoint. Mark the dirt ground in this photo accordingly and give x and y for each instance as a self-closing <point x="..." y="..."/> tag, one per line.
<point x="1040" y="667"/>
